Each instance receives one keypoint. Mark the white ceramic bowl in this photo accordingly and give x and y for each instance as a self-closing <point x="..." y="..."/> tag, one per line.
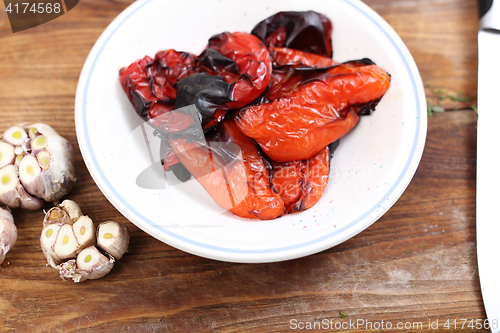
<point x="370" y="170"/>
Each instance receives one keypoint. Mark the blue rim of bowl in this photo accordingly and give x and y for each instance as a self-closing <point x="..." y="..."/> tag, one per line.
<point x="302" y="245"/>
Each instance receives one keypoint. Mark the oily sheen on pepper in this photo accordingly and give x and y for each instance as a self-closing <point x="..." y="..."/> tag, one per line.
<point x="240" y="178"/>
<point x="317" y="113"/>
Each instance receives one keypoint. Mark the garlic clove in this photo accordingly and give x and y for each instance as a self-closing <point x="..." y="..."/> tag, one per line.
<point x="47" y="242"/>
<point x="15" y="135"/>
<point x="72" y="209"/>
<point x="113" y="238"/>
<point x="33" y="133"/>
<point x="18" y="159"/>
<point x="44" y="160"/>
<point x="40" y="142"/>
<point x="7" y="154"/>
<point x="8" y="232"/>
<point x="29" y="170"/>
<point x="56" y="215"/>
<point x="66" y="243"/>
<point x="84" y="231"/>
<point x="92" y="264"/>
<point x="8" y="184"/>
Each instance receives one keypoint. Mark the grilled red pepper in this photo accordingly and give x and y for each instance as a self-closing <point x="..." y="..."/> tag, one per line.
<point x="302" y="183"/>
<point x="150" y="84"/>
<point x="283" y="56"/>
<point x="306" y="31"/>
<point x="233" y="170"/>
<point x="239" y="68"/>
<point x="241" y="178"/>
<point x="271" y="157"/>
<point x="319" y="112"/>
<point x="287" y="78"/>
<point x="235" y="69"/>
<point x="253" y="66"/>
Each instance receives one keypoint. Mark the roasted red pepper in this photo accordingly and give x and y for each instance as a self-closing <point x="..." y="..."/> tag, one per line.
<point x="271" y="157"/>
<point x="287" y="78"/>
<point x="238" y="67"/>
<point x="241" y="178"/>
<point x="282" y="56"/>
<point x="302" y="183"/>
<point x="306" y="31"/>
<point x="150" y="84"/>
<point x="233" y="170"/>
<point x="319" y="112"/>
<point x="253" y="63"/>
<point x="239" y="70"/>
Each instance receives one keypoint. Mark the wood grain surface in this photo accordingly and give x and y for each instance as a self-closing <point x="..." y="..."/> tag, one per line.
<point x="417" y="264"/>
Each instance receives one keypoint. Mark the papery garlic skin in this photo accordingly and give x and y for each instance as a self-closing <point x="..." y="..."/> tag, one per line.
<point x="113" y="238"/>
<point x="96" y="267"/>
<point x="58" y="176"/>
<point x="84" y="231"/>
<point x="8" y="232"/>
<point x="40" y="160"/>
<point x="72" y="209"/>
<point x="48" y="241"/>
<point x="68" y="241"/>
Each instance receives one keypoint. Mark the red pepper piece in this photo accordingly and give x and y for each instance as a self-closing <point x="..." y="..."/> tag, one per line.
<point x="285" y="79"/>
<point x="168" y="68"/>
<point x="149" y="84"/>
<point x="135" y="82"/>
<point x="319" y="112"/>
<point x="283" y="56"/>
<point x="253" y="62"/>
<point x="242" y="180"/>
<point x="302" y="183"/>
<point x="307" y="31"/>
<point x="238" y="181"/>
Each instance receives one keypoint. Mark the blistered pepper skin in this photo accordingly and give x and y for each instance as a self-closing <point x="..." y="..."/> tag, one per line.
<point x="234" y="69"/>
<point x="318" y="112"/>
<point x="252" y="73"/>
<point x="283" y="56"/>
<point x="307" y="31"/>
<point x="317" y="171"/>
<point x="241" y="179"/>
<point x="168" y="68"/>
<point x="135" y="82"/>
<point x="150" y="83"/>
<point x="268" y="107"/>
<point x="302" y="183"/>
<point x="238" y="181"/>
<point x="286" y="77"/>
